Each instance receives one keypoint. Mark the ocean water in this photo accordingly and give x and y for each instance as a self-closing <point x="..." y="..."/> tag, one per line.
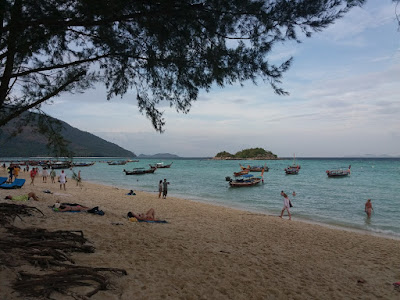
<point x="332" y="201"/>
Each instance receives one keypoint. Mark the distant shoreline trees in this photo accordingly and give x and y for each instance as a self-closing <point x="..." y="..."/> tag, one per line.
<point x="252" y="153"/>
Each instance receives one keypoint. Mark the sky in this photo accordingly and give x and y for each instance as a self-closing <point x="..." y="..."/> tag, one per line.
<point x="344" y="101"/>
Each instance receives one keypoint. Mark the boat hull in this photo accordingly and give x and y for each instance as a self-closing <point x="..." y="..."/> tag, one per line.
<point x="244" y="183"/>
<point x="140" y="172"/>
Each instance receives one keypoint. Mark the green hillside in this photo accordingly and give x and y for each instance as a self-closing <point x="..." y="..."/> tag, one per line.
<point x="30" y="143"/>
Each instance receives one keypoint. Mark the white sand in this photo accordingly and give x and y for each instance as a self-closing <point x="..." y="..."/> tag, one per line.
<point x="213" y="252"/>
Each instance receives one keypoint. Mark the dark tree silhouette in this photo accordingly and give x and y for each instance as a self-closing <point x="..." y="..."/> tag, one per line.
<point x="165" y="50"/>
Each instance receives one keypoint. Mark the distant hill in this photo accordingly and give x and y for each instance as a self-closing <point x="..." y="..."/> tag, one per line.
<point x="159" y="155"/>
<point x="248" y="154"/>
<point x="29" y="143"/>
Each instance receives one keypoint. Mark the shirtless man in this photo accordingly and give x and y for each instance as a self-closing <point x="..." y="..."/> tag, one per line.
<point x="368" y="208"/>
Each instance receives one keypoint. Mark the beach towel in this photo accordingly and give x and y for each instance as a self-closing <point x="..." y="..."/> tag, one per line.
<point x="155" y="221"/>
<point x="71" y="211"/>
<point x="133" y="219"/>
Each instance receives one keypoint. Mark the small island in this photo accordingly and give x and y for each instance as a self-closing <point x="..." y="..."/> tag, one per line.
<point x="247" y="154"/>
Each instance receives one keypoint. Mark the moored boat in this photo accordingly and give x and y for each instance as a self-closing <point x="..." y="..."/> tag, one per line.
<point x="338" y="172"/>
<point x="140" y="171"/>
<point x="59" y="165"/>
<point x="160" y="165"/>
<point x="241" y="173"/>
<point x="255" y="168"/>
<point x="292" y="170"/>
<point x="117" y="163"/>
<point x="245" y="181"/>
<point x="82" y="164"/>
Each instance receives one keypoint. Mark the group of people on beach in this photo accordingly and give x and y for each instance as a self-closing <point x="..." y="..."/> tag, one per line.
<point x="62" y="178"/>
<point x="13" y="171"/>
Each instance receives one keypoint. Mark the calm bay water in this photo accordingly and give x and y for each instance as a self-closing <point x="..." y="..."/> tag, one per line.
<point x="333" y="201"/>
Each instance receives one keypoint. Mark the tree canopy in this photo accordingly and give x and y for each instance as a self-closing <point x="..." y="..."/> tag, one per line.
<point x="166" y="50"/>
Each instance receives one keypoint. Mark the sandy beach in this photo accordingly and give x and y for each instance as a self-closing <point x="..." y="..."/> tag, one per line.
<point x="210" y="252"/>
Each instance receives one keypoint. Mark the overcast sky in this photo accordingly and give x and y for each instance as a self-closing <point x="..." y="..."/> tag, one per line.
<point x="344" y="100"/>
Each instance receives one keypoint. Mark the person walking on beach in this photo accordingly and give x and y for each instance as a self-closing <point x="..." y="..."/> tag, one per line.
<point x="286" y="205"/>
<point x="53" y="175"/>
<point x="62" y="179"/>
<point x="78" y="178"/>
<point x="33" y="175"/>
<point x="45" y="174"/>
<point x="368" y="208"/>
<point x="160" y="188"/>
<point x="165" y="188"/>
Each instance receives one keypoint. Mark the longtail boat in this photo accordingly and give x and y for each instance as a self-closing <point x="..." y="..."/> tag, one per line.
<point x="338" y="172"/>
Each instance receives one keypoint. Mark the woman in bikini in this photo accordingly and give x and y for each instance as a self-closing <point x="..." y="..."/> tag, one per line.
<point x="149" y="216"/>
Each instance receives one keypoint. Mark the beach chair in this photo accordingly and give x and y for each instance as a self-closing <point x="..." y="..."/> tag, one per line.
<point x="16" y="184"/>
<point x="3" y="180"/>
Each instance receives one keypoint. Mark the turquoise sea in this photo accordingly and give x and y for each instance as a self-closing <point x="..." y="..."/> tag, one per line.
<point x="331" y="201"/>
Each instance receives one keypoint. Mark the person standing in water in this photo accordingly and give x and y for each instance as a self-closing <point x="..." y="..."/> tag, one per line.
<point x="368" y="208"/>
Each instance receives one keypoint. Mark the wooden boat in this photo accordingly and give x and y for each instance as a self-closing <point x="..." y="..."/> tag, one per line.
<point x="338" y="172"/>
<point x="255" y="168"/>
<point x="140" y="171"/>
<point x="293" y="169"/>
<point x="117" y="163"/>
<point x="161" y="165"/>
<point x="245" y="180"/>
<point x="82" y="164"/>
<point x="59" y="165"/>
<point x="241" y="173"/>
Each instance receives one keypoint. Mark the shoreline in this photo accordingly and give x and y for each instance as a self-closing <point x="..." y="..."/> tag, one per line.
<point x="210" y="251"/>
<point x="334" y="226"/>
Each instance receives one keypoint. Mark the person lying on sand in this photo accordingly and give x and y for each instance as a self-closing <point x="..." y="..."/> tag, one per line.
<point x="149" y="216"/>
<point x="23" y="197"/>
<point x="61" y="207"/>
<point x="69" y="207"/>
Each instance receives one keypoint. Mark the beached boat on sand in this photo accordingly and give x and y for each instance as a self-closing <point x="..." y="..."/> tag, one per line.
<point x="338" y="172"/>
